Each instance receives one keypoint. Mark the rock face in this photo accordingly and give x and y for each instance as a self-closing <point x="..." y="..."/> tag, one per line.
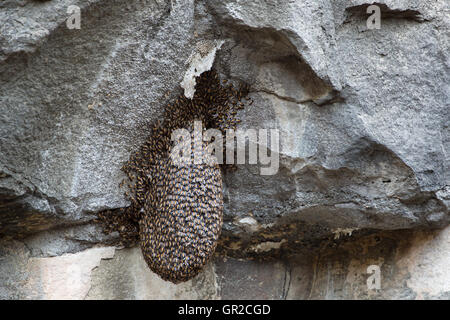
<point x="364" y="139"/>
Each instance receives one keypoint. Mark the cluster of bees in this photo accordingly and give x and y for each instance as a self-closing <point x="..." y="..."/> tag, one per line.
<point x="176" y="211"/>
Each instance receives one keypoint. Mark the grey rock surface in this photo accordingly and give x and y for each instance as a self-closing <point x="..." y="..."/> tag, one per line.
<point x="74" y="109"/>
<point x="413" y="265"/>
<point x="363" y="116"/>
<point x="365" y="158"/>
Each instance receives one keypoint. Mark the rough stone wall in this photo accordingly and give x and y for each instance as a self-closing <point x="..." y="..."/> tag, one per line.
<point x="363" y="119"/>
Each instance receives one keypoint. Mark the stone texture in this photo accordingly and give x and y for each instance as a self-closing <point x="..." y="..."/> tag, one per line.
<point x="363" y="119"/>
<point x="363" y="125"/>
<point x="250" y="279"/>
<point x="366" y="158"/>
<point x="128" y="277"/>
<point x="413" y="265"/>
<point x="68" y="276"/>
